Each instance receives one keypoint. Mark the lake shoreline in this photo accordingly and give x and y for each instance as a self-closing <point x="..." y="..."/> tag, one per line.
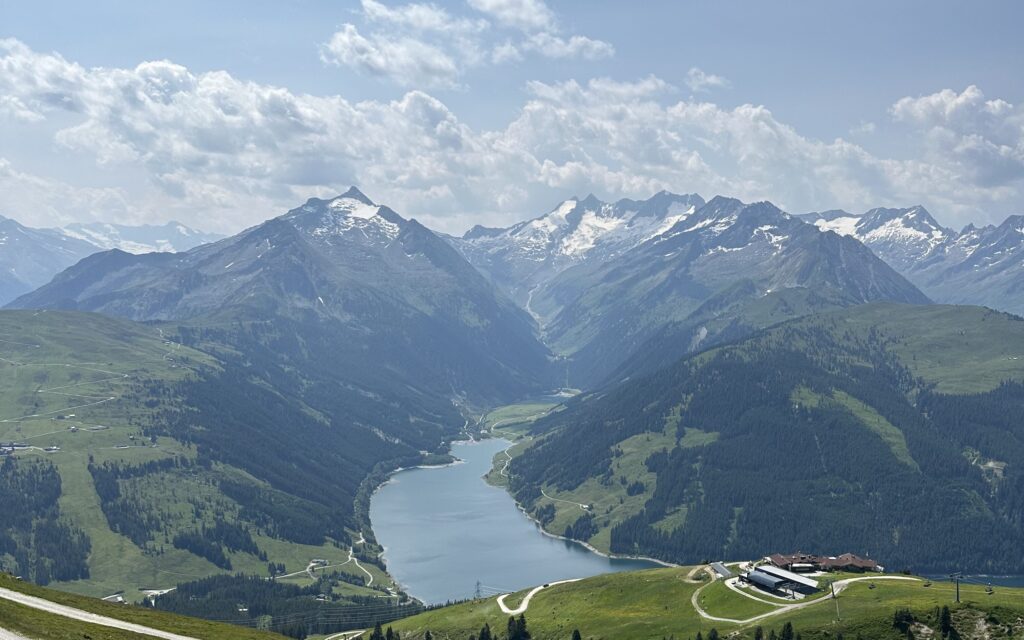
<point x="585" y="545"/>
<point x="441" y="532"/>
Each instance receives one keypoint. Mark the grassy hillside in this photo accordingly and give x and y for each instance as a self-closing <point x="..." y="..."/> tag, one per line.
<point x="885" y="409"/>
<point x="659" y="603"/>
<point x="34" y="623"/>
<point x="125" y="455"/>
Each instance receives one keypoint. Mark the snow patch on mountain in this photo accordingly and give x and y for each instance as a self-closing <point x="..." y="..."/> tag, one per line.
<point x="170" y="237"/>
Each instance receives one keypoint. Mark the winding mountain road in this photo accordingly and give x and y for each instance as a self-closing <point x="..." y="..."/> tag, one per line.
<point x="529" y="596"/>
<point x="839" y="586"/>
<point x="83" y="616"/>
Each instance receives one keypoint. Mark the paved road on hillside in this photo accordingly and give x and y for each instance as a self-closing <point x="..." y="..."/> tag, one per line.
<point x="529" y="596"/>
<point x="839" y="585"/>
<point x="7" y="635"/>
<point x="84" y="616"/>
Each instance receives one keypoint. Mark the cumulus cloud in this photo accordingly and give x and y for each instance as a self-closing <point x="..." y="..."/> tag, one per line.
<point x="424" y="46"/>
<point x="214" y="147"/>
<point x="406" y="60"/>
<point x="553" y="46"/>
<point x="969" y="134"/>
<point x="699" y="81"/>
<point x="527" y="15"/>
<point x="42" y="202"/>
<point x="421" y="17"/>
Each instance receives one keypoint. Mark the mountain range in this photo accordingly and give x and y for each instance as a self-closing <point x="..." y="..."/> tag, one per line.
<point x="604" y="279"/>
<point x="341" y="340"/>
<point x="350" y="281"/>
<point x="30" y="257"/>
<point x="977" y="265"/>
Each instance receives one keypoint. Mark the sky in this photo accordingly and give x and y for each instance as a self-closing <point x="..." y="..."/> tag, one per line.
<point x="223" y="114"/>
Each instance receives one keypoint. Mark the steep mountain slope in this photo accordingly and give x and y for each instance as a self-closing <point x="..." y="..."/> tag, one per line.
<point x="348" y="288"/>
<point x="890" y="430"/>
<point x="524" y="257"/>
<point x="712" y="264"/>
<point x="30" y="257"/>
<point x="138" y="460"/>
<point x="974" y="266"/>
<point x="146" y="238"/>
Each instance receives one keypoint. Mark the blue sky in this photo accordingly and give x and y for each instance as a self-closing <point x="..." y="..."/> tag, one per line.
<point x="489" y="111"/>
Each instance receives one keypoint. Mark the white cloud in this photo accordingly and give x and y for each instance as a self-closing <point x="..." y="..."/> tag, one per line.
<point x="420" y="17"/>
<point x="969" y="134"/>
<point x="527" y="15"/>
<point x="423" y="45"/>
<point x="216" y="148"/>
<point x="552" y="46"/>
<point x="43" y="202"/>
<point x="406" y="60"/>
<point x="699" y="81"/>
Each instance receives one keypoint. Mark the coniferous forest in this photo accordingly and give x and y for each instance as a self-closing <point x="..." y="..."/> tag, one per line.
<point x="34" y="540"/>
<point x="817" y="438"/>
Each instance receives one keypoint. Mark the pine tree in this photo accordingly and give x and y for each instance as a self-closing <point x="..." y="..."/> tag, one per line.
<point x="428" y="635"/>
<point x="787" y="632"/>
<point x="523" y="633"/>
<point x="485" y="633"/>
<point x="945" y="621"/>
<point x="759" y="633"/>
<point x="377" y="634"/>
<point x="576" y="635"/>
<point x="713" y="634"/>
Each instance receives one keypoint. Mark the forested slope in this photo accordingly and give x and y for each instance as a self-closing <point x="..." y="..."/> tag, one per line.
<point x="140" y="461"/>
<point x="887" y="430"/>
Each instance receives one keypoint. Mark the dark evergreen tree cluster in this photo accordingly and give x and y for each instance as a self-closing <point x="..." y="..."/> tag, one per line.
<point x="809" y="475"/>
<point x="43" y="546"/>
<point x="125" y="514"/>
<point x="292" y="610"/>
<point x="582" y="529"/>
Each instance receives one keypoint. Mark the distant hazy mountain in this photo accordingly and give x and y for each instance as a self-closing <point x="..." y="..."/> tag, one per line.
<point x="146" y="238"/>
<point x="353" y="285"/>
<point x="975" y="266"/>
<point x="29" y="257"/>
<point x="723" y="268"/>
<point x="521" y="259"/>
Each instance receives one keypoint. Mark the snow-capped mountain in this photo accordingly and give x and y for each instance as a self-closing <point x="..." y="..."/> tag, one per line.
<point x="974" y="266"/>
<point x="30" y="257"/>
<point x="521" y="258"/>
<point x="145" y="238"/>
<point x="357" y="285"/>
<point x="901" y="237"/>
<point x="724" y="269"/>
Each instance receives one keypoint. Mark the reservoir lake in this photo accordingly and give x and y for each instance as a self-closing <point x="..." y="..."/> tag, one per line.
<point x="444" y="530"/>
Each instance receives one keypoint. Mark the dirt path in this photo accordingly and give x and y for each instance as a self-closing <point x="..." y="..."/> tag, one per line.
<point x="85" y="616"/>
<point x="352" y="557"/>
<point x="9" y="635"/>
<point x="344" y="635"/>
<point x="529" y="596"/>
<point x="578" y="504"/>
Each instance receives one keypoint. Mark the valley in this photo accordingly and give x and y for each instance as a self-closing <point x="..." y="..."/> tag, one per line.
<point x="307" y="427"/>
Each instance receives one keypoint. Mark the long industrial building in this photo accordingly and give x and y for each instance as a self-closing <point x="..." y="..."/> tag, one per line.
<point x="797" y="581"/>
